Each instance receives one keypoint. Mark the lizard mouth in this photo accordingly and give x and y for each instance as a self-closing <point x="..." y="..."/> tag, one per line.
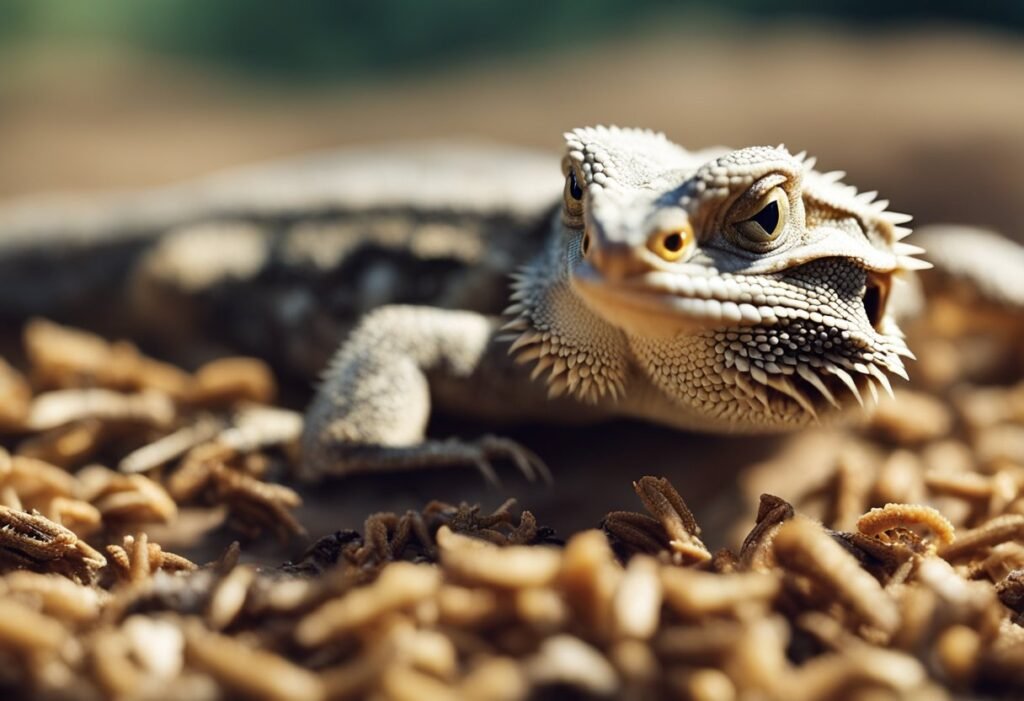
<point x="663" y="304"/>
<point x="779" y="357"/>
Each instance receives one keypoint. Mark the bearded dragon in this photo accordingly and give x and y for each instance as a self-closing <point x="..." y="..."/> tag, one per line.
<point x="739" y="291"/>
<point x="726" y="291"/>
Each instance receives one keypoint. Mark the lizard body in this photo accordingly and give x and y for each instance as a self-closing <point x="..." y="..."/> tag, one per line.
<point x="279" y="260"/>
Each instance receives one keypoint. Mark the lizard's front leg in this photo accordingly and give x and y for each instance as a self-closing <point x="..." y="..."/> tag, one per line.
<point x="371" y="412"/>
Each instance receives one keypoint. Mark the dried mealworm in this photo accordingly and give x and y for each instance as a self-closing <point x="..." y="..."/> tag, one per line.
<point x="353" y="679"/>
<point x="80" y="516"/>
<point x="849" y="493"/>
<point x="804" y="547"/>
<point x="9" y="498"/>
<point x="111" y="660"/>
<point x="171" y="446"/>
<point x="229" y="597"/>
<point x="666" y="505"/>
<point x="120" y="560"/>
<point x="964" y="485"/>
<point x="172" y="562"/>
<point x="401" y="585"/>
<point x="704" y="684"/>
<point x="59" y="596"/>
<point x="136" y="498"/>
<point x="708" y="643"/>
<point x="636" y="605"/>
<point x="257" y="427"/>
<point x="17" y="397"/>
<point x="263" y="501"/>
<point x="38" y="479"/>
<point x="403" y="683"/>
<point x="829" y="676"/>
<point x="998" y="530"/>
<point x="911" y="418"/>
<point x="899" y="479"/>
<point x="890" y="516"/>
<point x="1003" y="559"/>
<point x="138" y="549"/>
<point x="375" y="534"/>
<point x="526" y="531"/>
<point x="158" y="645"/>
<point x="694" y="594"/>
<point x="430" y="651"/>
<point x="494" y="679"/>
<point x="542" y="608"/>
<point x="638" y="666"/>
<point x="231" y="380"/>
<point x="196" y="470"/>
<point x="251" y="672"/>
<point x="772" y="512"/>
<point x="565" y="659"/>
<point x="639" y="532"/>
<point x="467" y="607"/>
<point x="65" y="357"/>
<point x="24" y="629"/>
<point x="474" y="560"/>
<point x="61" y="407"/>
<point x="590" y="575"/>
<point x="34" y="535"/>
<point x="66" y="445"/>
<point x="957" y="651"/>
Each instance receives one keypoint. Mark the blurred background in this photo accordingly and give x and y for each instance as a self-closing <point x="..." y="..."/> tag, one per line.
<point x="921" y="100"/>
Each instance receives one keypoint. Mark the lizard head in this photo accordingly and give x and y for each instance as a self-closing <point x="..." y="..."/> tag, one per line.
<point x="748" y="287"/>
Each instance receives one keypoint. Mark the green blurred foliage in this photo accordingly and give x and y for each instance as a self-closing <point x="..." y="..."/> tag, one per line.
<point x="345" y="40"/>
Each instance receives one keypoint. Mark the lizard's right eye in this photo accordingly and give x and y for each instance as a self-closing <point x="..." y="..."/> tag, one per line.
<point x="573" y="187"/>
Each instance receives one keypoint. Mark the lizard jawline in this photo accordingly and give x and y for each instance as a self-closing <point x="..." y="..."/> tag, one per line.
<point x="654" y="314"/>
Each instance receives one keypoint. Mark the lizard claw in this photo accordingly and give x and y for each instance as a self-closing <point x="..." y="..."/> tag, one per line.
<point x="336" y="458"/>
<point x="488" y="472"/>
<point x="528" y="462"/>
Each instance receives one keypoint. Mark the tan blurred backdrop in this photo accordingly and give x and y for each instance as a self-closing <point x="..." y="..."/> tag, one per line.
<point x="932" y="115"/>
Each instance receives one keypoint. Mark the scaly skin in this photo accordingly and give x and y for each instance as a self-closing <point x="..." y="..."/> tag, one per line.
<point x="735" y="292"/>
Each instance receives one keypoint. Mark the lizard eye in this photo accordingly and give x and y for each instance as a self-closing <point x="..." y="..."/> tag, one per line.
<point x="573" y="196"/>
<point x="767" y="222"/>
<point x="573" y="187"/>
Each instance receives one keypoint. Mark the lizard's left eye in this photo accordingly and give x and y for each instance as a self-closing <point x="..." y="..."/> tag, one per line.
<point x="768" y="222"/>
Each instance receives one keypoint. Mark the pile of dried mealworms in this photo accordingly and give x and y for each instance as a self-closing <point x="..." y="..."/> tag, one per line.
<point x="893" y="570"/>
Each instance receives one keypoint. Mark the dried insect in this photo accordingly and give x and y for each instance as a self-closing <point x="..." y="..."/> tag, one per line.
<point x="998" y="530"/>
<point x="772" y="512"/>
<point x="17" y="397"/>
<point x="137" y="558"/>
<point x="453" y="601"/>
<point x="514" y="566"/>
<point x="807" y="549"/>
<point x="672" y="529"/>
<point x="878" y="521"/>
<point x="400" y="586"/>
<point x="32" y="541"/>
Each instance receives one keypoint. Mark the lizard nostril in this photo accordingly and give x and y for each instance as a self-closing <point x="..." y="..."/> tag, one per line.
<point x="586" y="243"/>
<point x="670" y="245"/>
